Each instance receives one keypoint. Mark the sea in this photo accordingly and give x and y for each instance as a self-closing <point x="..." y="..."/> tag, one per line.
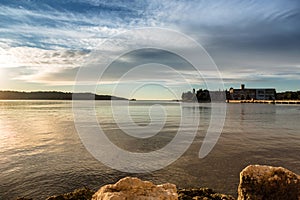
<point x="42" y="152"/>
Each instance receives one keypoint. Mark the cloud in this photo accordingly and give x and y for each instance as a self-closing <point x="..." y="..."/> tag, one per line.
<point x="240" y="34"/>
<point x="33" y="65"/>
<point x="45" y="42"/>
<point x="35" y="57"/>
<point x="69" y="24"/>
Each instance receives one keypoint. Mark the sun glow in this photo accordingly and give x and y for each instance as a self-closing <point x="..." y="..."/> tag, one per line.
<point x="2" y="76"/>
<point x="7" y="59"/>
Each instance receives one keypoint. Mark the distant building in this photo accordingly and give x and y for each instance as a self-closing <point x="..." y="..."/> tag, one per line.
<point x="252" y="93"/>
<point x="218" y="96"/>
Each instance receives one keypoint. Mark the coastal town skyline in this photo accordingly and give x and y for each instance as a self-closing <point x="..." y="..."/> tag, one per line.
<point x="44" y="44"/>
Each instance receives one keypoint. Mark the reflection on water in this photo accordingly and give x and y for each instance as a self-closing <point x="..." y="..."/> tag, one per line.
<point x="41" y="153"/>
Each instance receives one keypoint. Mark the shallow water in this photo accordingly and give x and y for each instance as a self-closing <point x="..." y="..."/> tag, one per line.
<point x="42" y="155"/>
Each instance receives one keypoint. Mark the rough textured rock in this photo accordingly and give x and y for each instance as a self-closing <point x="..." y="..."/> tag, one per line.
<point x="136" y="189"/>
<point x="201" y="194"/>
<point x="79" y="194"/>
<point x="268" y="183"/>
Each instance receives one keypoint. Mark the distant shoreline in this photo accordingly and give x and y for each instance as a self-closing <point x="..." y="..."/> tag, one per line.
<point x="53" y="95"/>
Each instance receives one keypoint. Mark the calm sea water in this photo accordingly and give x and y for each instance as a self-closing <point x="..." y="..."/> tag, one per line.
<point x="41" y="153"/>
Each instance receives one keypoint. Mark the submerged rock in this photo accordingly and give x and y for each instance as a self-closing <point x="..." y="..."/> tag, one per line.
<point x="201" y="194"/>
<point x="136" y="189"/>
<point x="268" y="183"/>
<point x="79" y="194"/>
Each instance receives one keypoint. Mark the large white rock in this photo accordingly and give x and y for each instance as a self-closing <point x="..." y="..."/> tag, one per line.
<point x="130" y="188"/>
<point x="259" y="182"/>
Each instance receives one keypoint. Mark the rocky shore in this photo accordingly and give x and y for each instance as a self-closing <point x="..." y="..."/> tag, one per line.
<point x="257" y="182"/>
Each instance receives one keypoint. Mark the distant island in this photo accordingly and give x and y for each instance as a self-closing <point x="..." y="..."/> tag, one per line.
<point x="54" y="95"/>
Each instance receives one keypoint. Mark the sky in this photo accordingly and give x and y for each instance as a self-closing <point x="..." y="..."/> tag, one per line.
<point x="45" y="44"/>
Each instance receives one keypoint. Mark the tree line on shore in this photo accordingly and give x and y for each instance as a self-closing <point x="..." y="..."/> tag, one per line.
<point x="54" y="95"/>
<point x="200" y="96"/>
<point x="288" y="95"/>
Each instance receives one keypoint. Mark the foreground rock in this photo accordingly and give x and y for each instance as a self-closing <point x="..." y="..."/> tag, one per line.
<point x="268" y="183"/>
<point x="136" y="189"/>
<point x="256" y="183"/>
